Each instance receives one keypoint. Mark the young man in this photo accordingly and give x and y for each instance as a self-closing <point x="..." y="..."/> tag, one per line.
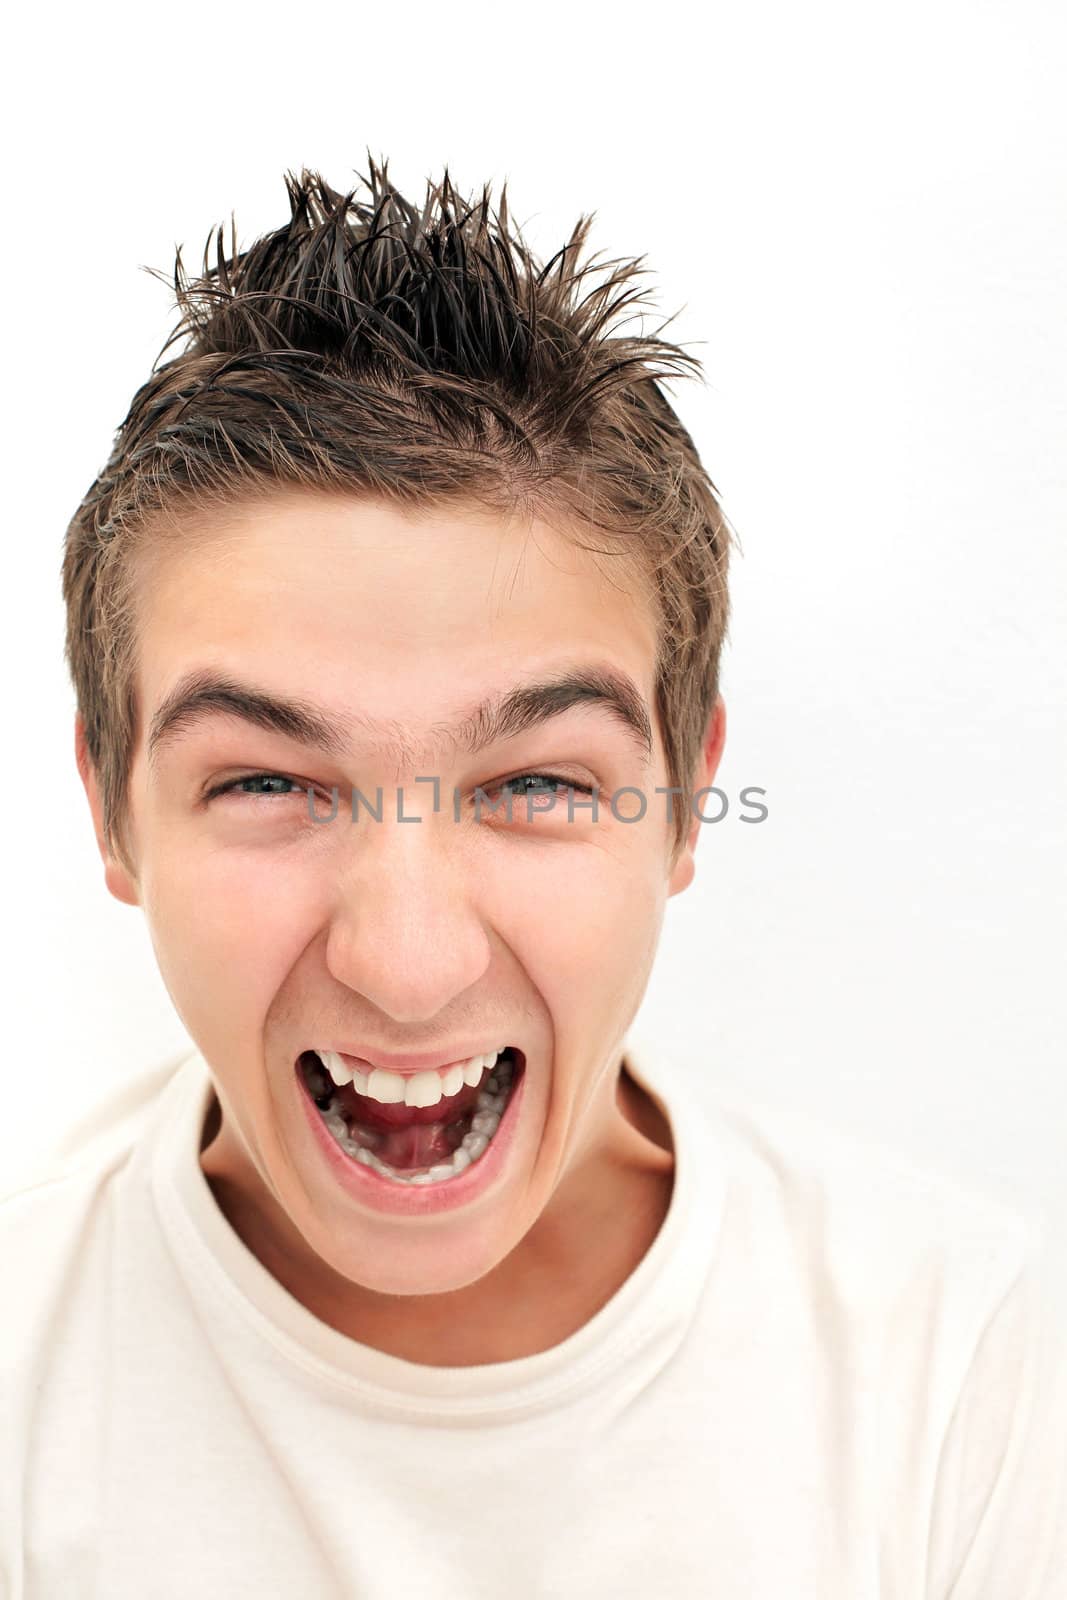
<point x="395" y="621"/>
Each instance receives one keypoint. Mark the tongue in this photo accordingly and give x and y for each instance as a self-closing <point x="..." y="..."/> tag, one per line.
<point x="420" y="1145"/>
<point x="410" y="1136"/>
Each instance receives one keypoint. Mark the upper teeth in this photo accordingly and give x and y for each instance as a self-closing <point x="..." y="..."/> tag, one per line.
<point x="419" y="1089"/>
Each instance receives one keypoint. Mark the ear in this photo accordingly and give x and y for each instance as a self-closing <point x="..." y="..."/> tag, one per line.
<point x="710" y="755"/>
<point x="119" y="881"/>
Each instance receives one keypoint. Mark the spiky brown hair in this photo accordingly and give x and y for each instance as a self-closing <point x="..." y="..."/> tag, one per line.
<point x="367" y="347"/>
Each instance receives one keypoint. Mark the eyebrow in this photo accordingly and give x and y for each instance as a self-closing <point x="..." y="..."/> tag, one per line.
<point x="203" y="694"/>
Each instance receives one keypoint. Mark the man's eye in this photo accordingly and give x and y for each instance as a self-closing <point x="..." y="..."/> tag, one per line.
<point x="258" y="778"/>
<point x="551" y="780"/>
<point x="528" y="796"/>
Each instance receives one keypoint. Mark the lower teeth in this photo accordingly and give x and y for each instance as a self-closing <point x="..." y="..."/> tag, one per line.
<point x="489" y="1109"/>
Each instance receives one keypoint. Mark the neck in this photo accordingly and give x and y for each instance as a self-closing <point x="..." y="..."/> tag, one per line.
<point x="568" y="1265"/>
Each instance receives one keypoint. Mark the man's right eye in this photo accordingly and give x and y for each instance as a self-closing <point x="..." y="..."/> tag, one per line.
<point x="233" y="784"/>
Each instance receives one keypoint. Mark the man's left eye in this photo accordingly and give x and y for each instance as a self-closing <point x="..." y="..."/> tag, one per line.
<point x="551" y="779"/>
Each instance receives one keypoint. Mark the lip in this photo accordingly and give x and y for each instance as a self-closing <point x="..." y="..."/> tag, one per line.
<point x="410" y="1061"/>
<point x="381" y="1194"/>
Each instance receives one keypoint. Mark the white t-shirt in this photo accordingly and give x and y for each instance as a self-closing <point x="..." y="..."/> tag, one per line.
<point x="833" y="1375"/>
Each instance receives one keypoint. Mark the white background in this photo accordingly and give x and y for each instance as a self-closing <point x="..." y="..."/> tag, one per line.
<point x="861" y="211"/>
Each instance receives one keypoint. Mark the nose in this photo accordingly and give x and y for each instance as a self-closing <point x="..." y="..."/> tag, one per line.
<point x="406" y="933"/>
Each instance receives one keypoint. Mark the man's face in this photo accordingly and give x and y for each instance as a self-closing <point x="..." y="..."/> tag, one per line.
<point x="449" y="936"/>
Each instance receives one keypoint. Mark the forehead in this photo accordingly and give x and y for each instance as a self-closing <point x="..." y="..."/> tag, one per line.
<point x="405" y="616"/>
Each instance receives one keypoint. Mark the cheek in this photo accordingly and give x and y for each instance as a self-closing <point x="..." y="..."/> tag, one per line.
<point x="583" y="922"/>
<point x="227" y="927"/>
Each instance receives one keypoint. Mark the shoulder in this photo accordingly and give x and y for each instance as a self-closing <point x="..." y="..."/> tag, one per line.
<point x="873" y="1223"/>
<point x="54" y="1222"/>
<point x="879" y="1219"/>
<point x="949" y="1297"/>
<point x="88" y="1147"/>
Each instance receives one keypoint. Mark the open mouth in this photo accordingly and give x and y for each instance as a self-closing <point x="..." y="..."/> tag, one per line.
<point x="423" y="1128"/>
